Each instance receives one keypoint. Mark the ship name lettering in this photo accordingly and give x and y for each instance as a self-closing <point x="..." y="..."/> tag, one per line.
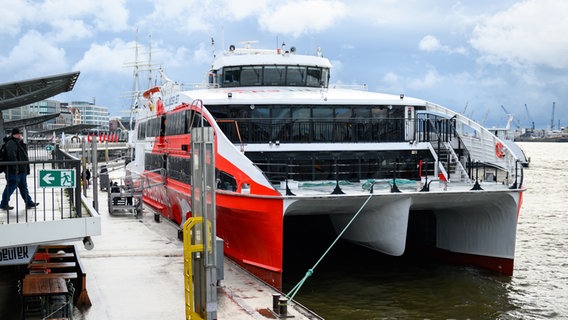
<point x="171" y="100"/>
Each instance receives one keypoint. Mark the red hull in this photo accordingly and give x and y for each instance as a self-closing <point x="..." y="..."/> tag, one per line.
<point x="251" y="229"/>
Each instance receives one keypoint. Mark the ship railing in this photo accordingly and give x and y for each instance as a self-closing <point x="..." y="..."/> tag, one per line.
<point x="338" y="171"/>
<point x="480" y="145"/>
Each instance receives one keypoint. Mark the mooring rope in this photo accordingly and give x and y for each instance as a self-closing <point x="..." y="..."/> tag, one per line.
<point x="310" y="271"/>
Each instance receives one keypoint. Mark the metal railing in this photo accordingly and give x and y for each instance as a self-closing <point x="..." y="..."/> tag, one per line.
<point x="54" y="203"/>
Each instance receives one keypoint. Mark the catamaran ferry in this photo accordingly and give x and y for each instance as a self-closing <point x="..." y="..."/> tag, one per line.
<point x="291" y="148"/>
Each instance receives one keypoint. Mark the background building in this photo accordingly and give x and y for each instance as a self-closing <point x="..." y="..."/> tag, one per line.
<point x="90" y="113"/>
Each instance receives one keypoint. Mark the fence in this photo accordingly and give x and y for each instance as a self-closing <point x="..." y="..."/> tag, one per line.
<point x="54" y="202"/>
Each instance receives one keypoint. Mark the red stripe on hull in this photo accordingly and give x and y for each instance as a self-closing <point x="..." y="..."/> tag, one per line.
<point x="503" y="266"/>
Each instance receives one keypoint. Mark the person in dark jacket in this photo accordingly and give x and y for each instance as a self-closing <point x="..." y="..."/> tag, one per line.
<point x="16" y="175"/>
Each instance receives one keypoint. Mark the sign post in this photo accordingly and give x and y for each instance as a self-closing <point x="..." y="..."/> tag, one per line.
<point x="57" y="178"/>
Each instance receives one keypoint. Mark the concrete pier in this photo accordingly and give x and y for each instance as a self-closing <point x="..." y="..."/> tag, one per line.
<point x="135" y="271"/>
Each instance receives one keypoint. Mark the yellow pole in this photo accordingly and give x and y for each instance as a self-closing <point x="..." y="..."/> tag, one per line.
<point x="188" y="249"/>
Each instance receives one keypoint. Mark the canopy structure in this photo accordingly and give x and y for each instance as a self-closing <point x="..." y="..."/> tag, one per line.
<point x="73" y="129"/>
<point x="30" y="121"/>
<point x="21" y="93"/>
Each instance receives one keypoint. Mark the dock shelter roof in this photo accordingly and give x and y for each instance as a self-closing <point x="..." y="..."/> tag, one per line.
<point x="21" y="93"/>
<point x="29" y="121"/>
<point x="74" y="129"/>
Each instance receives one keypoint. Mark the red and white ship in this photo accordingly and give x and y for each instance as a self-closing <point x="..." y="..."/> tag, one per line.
<point x="292" y="149"/>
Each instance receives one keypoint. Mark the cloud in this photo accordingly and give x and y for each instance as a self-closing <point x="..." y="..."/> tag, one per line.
<point x="296" y="18"/>
<point x="430" y="79"/>
<point x="109" y="57"/>
<point x="63" y="20"/>
<point x="12" y="15"/>
<point x="529" y="32"/>
<point x="102" y="15"/>
<point x="26" y="61"/>
<point x="431" y="44"/>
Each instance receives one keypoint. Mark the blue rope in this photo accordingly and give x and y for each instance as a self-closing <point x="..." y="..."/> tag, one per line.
<point x="308" y="274"/>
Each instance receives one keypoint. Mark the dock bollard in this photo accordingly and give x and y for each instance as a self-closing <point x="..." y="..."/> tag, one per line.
<point x="283" y="307"/>
<point x="275" y="306"/>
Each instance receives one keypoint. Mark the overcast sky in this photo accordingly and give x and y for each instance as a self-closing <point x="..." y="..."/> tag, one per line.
<point x="470" y="56"/>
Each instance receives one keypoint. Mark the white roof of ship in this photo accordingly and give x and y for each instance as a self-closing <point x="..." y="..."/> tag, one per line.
<point x="244" y="57"/>
<point x="298" y="95"/>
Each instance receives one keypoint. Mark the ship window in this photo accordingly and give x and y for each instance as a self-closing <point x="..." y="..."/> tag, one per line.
<point x="281" y="124"/>
<point x="343" y="126"/>
<point x="179" y="168"/>
<point x="314" y="77"/>
<point x="176" y="123"/>
<point x="363" y="113"/>
<point x="142" y="130"/>
<point x="231" y="76"/>
<point x="296" y="76"/>
<point x="274" y="75"/>
<point x="301" y="124"/>
<point x="262" y="125"/>
<point x="226" y="182"/>
<point x="153" y="127"/>
<point x="250" y="76"/>
<point x="323" y="123"/>
<point x="194" y="120"/>
<point x="153" y="161"/>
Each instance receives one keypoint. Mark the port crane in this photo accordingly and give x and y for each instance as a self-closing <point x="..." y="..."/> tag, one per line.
<point x="510" y="117"/>
<point x="529" y="118"/>
<point x="552" y="117"/>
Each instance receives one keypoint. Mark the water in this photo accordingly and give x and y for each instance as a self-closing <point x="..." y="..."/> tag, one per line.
<point x="351" y="283"/>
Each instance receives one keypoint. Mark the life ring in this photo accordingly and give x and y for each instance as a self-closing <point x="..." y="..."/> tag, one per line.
<point x="499" y="150"/>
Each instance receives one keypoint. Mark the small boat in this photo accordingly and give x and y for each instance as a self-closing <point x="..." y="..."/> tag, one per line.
<point x="293" y="151"/>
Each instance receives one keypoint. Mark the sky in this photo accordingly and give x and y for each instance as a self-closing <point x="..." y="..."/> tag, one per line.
<point x="482" y="58"/>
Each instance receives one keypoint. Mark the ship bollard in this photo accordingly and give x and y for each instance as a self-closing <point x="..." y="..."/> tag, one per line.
<point x="283" y="307"/>
<point x="275" y="307"/>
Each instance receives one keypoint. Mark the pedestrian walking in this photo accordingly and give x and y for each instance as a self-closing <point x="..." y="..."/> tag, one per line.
<point x="87" y="176"/>
<point x="16" y="175"/>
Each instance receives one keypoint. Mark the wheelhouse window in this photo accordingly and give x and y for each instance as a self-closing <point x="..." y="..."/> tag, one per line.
<point x="296" y="76"/>
<point x="274" y="75"/>
<point x="251" y="76"/>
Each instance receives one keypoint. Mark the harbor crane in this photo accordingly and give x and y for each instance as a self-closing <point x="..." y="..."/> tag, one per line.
<point x="529" y="118"/>
<point x="511" y="115"/>
<point x="552" y="118"/>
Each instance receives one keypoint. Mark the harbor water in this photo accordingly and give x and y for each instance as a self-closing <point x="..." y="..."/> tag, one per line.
<point x="355" y="283"/>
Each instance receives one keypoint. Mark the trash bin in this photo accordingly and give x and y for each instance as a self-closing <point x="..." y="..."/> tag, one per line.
<point x="103" y="178"/>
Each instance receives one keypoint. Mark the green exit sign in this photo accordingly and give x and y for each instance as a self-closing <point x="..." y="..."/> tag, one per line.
<point x="57" y="178"/>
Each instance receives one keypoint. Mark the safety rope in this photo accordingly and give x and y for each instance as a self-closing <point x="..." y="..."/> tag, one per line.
<point x="310" y="271"/>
